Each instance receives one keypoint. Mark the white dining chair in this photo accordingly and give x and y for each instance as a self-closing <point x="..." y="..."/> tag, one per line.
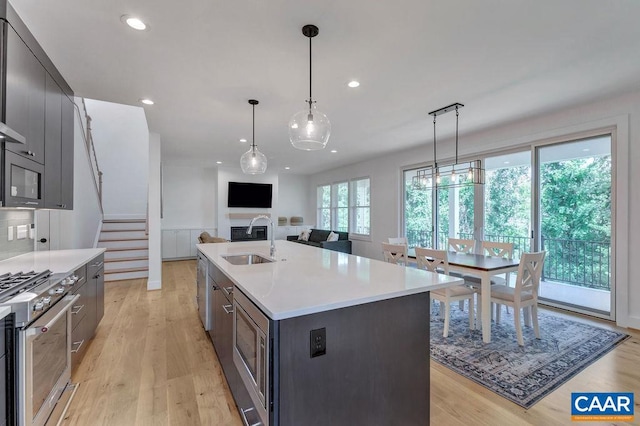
<point x="524" y="296"/>
<point x="494" y="249"/>
<point x="460" y="245"/>
<point x="395" y="253"/>
<point x="437" y="261"/>
<point x="398" y="240"/>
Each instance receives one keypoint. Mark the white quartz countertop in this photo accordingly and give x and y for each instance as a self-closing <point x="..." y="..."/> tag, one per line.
<point x="4" y="311"/>
<point x="305" y="280"/>
<point x="57" y="261"/>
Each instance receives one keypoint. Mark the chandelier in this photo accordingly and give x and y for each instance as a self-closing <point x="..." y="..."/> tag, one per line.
<point x="450" y="175"/>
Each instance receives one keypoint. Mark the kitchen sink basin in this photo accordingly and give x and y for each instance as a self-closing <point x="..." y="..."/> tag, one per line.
<point x="246" y="259"/>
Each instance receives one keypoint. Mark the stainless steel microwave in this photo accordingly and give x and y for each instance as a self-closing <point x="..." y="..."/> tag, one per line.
<point x="23" y="182"/>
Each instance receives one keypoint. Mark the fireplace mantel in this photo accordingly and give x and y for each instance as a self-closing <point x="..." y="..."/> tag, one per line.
<point x="246" y="215"/>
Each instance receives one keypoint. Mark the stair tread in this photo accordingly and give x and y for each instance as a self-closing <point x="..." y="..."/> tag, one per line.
<point x="126" y="248"/>
<point x="123" y="230"/>
<point x="126" y="259"/>
<point x="124" y="221"/>
<point x="123" y="239"/>
<point x="122" y="270"/>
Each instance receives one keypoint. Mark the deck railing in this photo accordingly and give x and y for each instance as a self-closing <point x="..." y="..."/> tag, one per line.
<point x="577" y="262"/>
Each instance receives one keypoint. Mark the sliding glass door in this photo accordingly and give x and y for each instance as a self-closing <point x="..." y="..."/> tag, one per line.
<point x="574" y="223"/>
<point x="507" y="200"/>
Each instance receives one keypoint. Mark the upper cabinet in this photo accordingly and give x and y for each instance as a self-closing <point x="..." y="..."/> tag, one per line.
<point x="25" y="97"/>
<point x="37" y="119"/>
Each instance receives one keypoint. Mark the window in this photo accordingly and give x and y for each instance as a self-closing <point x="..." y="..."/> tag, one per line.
<point x="324" y="207"/>
<point x="345" y="207"/>
<point x="361" y="206"/>
<point x="340" y="207"/>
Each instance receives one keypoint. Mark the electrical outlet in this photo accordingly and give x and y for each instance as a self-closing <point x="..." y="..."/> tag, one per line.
<point x="318" y="342"/>
<point x="21" y="231"/>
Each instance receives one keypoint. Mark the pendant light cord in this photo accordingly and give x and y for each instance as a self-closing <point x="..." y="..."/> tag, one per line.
<point x="457" y="114"/>
<point x="435" y="161"/>
<point x="253" y="140"/>
<point x="310" y="75"/>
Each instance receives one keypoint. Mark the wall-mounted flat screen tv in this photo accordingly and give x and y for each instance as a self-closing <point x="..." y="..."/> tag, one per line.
<point x="245" y="194"/>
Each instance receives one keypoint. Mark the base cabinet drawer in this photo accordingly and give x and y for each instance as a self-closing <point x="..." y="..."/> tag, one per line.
<point x="80" y="337"/>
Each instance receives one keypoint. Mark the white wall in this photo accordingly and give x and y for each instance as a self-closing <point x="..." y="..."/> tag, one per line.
<point x="189" y="197"/>
<point x="121" y="138"/>
<point x="622" y="112"/>
<point x="154" y="281"/>
<point x="293" y="198"/>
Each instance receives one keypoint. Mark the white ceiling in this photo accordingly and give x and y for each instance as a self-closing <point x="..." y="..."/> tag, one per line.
<point x="201" y="60"/>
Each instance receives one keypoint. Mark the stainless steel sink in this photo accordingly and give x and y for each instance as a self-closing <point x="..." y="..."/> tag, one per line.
<point x="246" y="259"/>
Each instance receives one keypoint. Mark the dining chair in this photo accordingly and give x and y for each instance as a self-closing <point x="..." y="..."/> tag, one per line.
<point x="460" y="245"/>
<point x="395" y="253"/>
<point x="494" y="249"/>
<point x="437" y="261"/>
<point x="398" y="240"/>
<point x="525" y="293"/>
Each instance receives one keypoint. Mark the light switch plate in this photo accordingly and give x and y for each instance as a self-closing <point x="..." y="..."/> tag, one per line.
<point x="10" y="233"/>
<point x="22" y="232"/>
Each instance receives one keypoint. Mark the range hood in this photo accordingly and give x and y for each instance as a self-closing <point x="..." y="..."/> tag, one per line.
<point x="8" y="134"/>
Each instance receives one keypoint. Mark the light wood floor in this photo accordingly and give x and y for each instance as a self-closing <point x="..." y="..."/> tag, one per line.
<point x="152" y="363"/>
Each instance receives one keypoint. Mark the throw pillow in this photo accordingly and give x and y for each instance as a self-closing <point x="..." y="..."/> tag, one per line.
<point x="304" y="235"/>
<point x="332" y="236"/>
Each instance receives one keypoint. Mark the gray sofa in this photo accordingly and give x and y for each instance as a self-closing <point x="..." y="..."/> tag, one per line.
<point x="318" y="238"/>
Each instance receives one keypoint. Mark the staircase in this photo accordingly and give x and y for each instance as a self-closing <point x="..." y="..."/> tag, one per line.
<point x="127" y="244"/>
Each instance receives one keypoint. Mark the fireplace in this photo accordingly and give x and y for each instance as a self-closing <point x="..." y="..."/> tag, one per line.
<point x="239" y="233"/>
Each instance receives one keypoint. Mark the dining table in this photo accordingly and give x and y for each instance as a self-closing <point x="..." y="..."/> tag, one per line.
<point x="484" y="267"/>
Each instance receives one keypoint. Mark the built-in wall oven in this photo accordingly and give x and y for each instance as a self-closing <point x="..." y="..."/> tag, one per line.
<point x="252" y="357"/>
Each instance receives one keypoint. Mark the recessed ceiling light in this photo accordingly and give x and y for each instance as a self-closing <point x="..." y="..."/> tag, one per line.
<point x="333" y="151"/>
<point x="147" y="101"/>
<point x="287" y="168"/>
<point x="243" y="140"/>
<point x="586" y="150"/>
<point x="133" y="22"/>
<point x="353" y="83"/>
<point x="218" y="162"/>
<point x="507" y="162"/>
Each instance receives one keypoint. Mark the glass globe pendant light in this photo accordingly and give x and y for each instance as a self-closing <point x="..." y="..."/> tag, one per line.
<point x="253" y="162"/>
<point x="309" y="129"/>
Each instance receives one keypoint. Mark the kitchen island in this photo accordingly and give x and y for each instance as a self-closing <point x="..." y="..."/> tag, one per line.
<point x="345" y="339"/>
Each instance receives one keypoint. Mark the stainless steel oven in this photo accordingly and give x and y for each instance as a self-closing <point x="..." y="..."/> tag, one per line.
<point x="44" y="349"/>
<point x="251" y="356"/>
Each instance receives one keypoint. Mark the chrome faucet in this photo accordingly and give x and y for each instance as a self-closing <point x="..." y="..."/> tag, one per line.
<point x="272" y="251"/>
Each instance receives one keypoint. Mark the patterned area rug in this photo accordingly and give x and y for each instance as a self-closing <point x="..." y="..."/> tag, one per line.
<point x="526" y="374"/>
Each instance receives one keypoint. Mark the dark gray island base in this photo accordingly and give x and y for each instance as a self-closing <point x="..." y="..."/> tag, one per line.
<point x="375" y="370"/>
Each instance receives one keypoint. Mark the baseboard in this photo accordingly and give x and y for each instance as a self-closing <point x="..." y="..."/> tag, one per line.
<point x="154" y="285"/>
<point x="630" y="322"/>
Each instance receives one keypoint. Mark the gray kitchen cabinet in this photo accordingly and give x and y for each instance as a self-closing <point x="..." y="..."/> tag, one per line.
<point x="25" y="97"/>
<point x="89" y="309"/>
<point x="53" y="145"/>
<point x="37" y="106"/>
<point x="67" y="153"/>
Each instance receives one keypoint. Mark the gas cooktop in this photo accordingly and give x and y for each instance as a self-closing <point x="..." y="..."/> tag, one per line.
<point x="31" y="294"/>
<point x="14" y="284"/>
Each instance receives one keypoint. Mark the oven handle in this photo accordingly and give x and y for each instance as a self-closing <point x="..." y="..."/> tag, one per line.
<point x="59" y="309"/>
